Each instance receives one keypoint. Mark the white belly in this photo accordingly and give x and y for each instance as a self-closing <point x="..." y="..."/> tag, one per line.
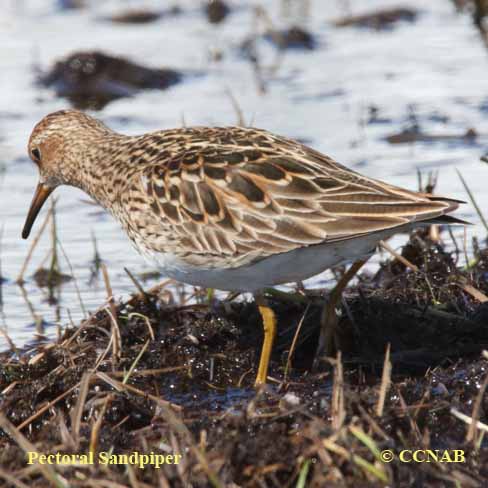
<point x="288" y="267"/>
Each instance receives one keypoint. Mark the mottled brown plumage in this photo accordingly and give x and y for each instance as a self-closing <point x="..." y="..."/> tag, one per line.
<point x="212" y="199"/>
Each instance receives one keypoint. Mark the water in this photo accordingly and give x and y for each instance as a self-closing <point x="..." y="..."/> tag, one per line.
<point x="435" y="68"/>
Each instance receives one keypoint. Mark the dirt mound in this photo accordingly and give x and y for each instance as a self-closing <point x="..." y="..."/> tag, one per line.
<point x="177" y="380"/>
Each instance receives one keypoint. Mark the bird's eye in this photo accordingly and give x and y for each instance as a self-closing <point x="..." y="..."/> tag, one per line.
<point x="36" y="154"/>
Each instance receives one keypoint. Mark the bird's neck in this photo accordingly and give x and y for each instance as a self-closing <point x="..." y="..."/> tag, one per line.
<point x="105" y="168"/>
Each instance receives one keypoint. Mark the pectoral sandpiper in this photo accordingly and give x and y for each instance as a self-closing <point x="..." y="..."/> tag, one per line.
<point x="231" y="208"/>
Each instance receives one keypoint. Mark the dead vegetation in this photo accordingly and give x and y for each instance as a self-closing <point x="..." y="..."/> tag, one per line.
<point x="152" y="377"/>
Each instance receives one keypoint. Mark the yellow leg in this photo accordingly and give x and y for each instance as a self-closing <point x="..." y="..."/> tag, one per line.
<point x="269" y="326"/>
<point x="329" y="316"/>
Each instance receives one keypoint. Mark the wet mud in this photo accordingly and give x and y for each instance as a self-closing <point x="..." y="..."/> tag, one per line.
<point x="379" y="19"/>
<point x="92" y="79"/>
<point x="172" y="378"/>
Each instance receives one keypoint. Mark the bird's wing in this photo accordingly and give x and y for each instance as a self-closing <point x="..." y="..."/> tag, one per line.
<point x="237" y="195"/>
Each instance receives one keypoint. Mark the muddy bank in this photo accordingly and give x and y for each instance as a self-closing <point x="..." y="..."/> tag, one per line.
<point x="379" y="19"/>
<point x="216" y="11"/>
<point x="92" y="79"/>
<point x="177" y="379"/>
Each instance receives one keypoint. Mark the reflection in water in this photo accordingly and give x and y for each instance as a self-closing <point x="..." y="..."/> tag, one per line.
<point x="39" y="322"/>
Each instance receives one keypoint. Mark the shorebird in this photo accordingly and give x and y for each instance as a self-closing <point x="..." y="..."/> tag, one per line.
<point x="233" y="208"/>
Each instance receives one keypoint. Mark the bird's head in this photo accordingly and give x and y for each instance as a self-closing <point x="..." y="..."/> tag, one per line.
<point x="57" y="146"/>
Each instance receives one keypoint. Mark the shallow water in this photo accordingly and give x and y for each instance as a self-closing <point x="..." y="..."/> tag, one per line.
<point x="433" y="70"/>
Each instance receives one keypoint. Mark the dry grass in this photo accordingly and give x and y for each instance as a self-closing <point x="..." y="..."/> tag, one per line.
<point x="151" y="376"/>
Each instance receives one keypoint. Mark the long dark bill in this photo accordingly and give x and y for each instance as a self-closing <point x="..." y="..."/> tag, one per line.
<point x="40" y="196"/>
